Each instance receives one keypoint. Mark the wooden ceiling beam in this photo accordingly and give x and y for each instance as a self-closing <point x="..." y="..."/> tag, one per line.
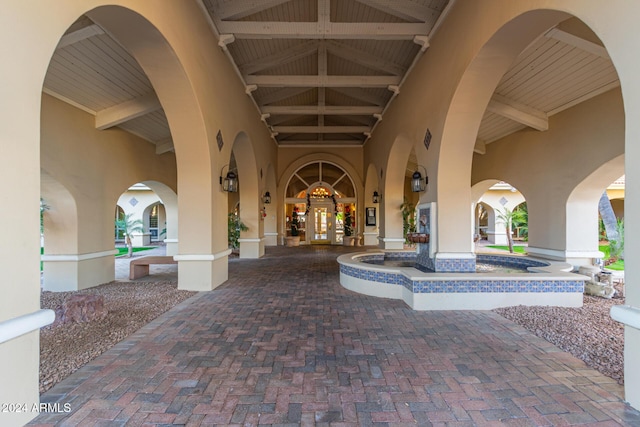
<point x="323" y="81"/>
<point x="321" y="129"/>
<point x="126" y="111"/>
<point x="326" y="110"/>
<point x="79" y="35"/>
<point x="283" y="57"/>
<point x="330" y="30"/>
<point x="578" y="42"/>
<point x="361" y="95"/>
<point x="518" y="112"/>
<point x="239" y="9"/>
<point x="164" y="146"/>
<point x="403" y="9"/>
<point x="371" y="61"/>
<point x="280" y="95"/>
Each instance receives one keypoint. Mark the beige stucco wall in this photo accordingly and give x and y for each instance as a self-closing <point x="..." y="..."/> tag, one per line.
<point x="547" y="166"/>
<point x="70" y="146"/>
<point x="349" y="155"/>
<point x="447" y="92"/>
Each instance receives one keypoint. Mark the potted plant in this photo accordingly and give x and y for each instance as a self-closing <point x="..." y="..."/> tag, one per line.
<point x="235" y="226"/>
<point x="294" y="238"/>
<point x="348" y="240"/>
<point x="408" y="221"/>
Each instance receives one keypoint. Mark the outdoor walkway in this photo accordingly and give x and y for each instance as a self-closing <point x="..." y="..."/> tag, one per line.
<point x="282" y="343"/>
<point x="156" y="272"/>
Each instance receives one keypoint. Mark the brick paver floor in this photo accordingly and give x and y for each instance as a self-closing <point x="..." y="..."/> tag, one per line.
<point x="282" y="343"/>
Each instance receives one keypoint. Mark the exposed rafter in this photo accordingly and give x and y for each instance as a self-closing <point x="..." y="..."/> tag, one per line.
<point x="403" y="9"/>
<point x="480" y="147"/>
<point x="330" y="30"/>
<point x="240" y="9"/>
<point x="518" y="112"/>
<point x="286" y="56"/>
<point x="325" y="110"/>
<point x="281" y="95"/>
<point x="164" y="146"/>
<point x="126" y="111"/>
<point x="79" y="35"/>
<point x="327" y="143"/>
<point x="323" y="81"/>
<point x="355" y="55"/>
<point x="361" y="95"/>
<point x="321" y="129"/>
<point x="578" y="42"/>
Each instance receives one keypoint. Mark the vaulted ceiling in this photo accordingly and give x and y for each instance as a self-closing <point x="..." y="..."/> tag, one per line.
<point x="323" y="72"/>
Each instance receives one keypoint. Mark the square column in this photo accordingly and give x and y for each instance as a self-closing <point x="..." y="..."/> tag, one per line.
<point x="73" y="272"/>
<point x="202" y="272"/>
<point x="251" y="248"/>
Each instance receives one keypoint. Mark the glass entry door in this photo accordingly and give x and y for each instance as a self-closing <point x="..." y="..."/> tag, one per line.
<point x="322" y="225"/>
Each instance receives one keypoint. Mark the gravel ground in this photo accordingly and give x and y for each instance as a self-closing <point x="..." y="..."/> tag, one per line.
<point x="588" y="332"/>
<point x="131" y="305"/>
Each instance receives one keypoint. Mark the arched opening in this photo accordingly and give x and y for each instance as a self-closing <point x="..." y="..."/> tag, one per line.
<point x="321" y="198"/>
<point x="401" y="165"/>
<point x="500" y="217"/>
<point x="251" y="234"/>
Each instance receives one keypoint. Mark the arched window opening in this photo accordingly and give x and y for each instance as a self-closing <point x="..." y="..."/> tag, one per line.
<point x="323" y="198"/>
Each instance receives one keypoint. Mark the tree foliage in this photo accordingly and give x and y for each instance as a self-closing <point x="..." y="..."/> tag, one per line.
<point x="235" y="226"/>
<point x="128" y="227"/>
<point x="509" y="218"/>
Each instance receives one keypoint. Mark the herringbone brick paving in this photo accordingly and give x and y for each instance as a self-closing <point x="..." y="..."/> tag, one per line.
<point x="282" y="343"/>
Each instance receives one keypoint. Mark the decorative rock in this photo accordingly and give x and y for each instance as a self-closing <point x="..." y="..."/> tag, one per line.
<point x="80" y="309"/>
<point x="599" y="289"/>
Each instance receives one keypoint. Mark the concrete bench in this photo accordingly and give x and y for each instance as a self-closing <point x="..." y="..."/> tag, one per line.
<point x="139" y="267"/>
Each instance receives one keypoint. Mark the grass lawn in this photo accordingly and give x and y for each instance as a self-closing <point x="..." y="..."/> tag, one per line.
<point x="516" y="249"/>
<point x="123" y="251"/>
<point x="618" y="265"/>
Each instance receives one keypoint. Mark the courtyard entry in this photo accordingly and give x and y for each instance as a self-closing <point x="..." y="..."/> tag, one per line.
<point x="321" y="202"/>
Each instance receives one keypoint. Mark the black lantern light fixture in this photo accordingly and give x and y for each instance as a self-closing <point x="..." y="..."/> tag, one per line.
<point x="266" y="198"/>
<point x="419" y="184"/>
<point x="230" y="182"/>
<point x="376" y="197"/>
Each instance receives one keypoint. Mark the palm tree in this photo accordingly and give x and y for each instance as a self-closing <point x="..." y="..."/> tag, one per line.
<point x="128" y="227"/>
<point x="608" y="217"/>
<point x="508" y="218"/>
<point x="521" y="221"/>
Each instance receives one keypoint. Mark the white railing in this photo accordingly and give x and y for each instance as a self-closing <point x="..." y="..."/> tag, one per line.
<point x="13" y="328"/>
<point x="626" y="314"/>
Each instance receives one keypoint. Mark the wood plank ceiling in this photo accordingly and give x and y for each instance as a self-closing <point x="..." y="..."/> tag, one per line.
<point x="323" y="72"/>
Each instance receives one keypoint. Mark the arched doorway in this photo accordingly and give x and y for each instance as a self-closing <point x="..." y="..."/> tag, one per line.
<point x="324" y="197"/>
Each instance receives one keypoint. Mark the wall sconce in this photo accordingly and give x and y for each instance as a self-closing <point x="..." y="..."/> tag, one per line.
<point x="266" y="198"/>
<point x="417" y="183"/>
<point x="376" y="197"/>
<point x="230" y="182"/>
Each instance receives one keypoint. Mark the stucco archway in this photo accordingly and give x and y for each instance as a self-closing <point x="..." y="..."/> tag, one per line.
<point x="393" y="189"/>
<point x="463" y="119"/>
<point x="252" y="240"/>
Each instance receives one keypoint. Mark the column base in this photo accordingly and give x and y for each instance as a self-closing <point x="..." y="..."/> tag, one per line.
<point x="390" y="242"/>
<point x="251" y="248"/>
<point x="497" y="238"/>
<point x="631" y="371"/>
<point x="575" y="258"/>
<point x="19" y="367"/>
<point x="171" y="246"/>
<point x="62" y="273"/>
<point x="271" y="239"/>
<point x="370" y="238"/>
<point x="202" y="272"/>
<point x="455" y="262"/>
